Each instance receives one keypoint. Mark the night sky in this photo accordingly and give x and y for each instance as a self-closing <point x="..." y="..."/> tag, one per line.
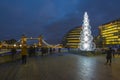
<point x="53" y="18"/>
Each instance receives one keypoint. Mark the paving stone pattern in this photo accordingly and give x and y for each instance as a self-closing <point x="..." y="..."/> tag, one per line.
<point x="61" y="66"/>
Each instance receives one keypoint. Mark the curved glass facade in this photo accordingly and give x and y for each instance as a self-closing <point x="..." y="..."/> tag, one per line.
<point x="72" y="38"/>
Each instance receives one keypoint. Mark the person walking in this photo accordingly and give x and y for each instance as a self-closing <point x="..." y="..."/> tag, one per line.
<point x="109" y="56"/>
<point x="24" y="54"/>
<point x="118" y="51"/>
<point x="30" y="51"/>
<point x="13" y="53"/>
<point x="59" y="50"/>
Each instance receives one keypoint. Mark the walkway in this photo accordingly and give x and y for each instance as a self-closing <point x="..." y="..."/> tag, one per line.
<point x="61" y="67"/>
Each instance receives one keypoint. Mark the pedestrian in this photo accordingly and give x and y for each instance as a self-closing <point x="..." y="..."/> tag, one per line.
<point x="13" y="52"/>
<point x="118" y="51"/>
<point x="30" y="51"/>
<point x="68" y="49"/>
<point x="59" y="50"/>
<point x="50" y="50"/>
<point x="24" y="54"/>
<point x="109" y="56"/>
<point x="54" y="50"/>
<point x="43" y="50"/>
<point x="113" y="52"/>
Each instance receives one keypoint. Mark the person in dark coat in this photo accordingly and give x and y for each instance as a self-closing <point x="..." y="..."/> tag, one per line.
<point x="59" y="50"/>
<point x="30" y="51"/>
<point x="43" y="50"/>
<point x="51" y="50"/>
<point x="109" y="56"/>
<point x="13" y="51"/>
<point x="118" y="51"/>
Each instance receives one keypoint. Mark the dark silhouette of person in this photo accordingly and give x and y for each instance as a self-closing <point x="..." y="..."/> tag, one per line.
<point x="43" y="50"/>
<point x="34" y="51"/>
<point x="113" y="52"/>
<point x="68" y="49"/>
<point x="24" y="54"/>
<point x="53" y="50"/>
<point x="30" y="51"/>
<point x="59" y="50"/>
<point x="13" y="51"/>
<point x="50" y="50"/>
<point x="109" y="56"/>
<point x="118" y="51"/>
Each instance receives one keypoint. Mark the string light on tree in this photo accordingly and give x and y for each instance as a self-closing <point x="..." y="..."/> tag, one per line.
<point x="86" y="39"/>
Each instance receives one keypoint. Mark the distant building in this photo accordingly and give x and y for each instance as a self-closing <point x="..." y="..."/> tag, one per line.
<point x="110" y="33"/>
<point x="71" y="39"/>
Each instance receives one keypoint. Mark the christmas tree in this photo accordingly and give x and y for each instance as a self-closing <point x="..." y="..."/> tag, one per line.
<point x="86" y="39"/>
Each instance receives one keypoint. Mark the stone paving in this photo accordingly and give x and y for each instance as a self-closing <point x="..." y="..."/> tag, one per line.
<point x="61" y="66"/>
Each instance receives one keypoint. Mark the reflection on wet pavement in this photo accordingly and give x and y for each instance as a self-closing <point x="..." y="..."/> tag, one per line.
<point x="65" y="67"/>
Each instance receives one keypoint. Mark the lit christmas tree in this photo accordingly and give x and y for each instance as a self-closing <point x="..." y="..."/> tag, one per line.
<point x="86" y="39"/>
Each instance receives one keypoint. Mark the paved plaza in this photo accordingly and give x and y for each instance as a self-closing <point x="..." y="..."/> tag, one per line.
<point x="61" y="66"/>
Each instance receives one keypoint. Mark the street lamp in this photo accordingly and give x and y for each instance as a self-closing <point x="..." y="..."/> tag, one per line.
<point x="14" y="45"/>
<point x="20" y="45"/>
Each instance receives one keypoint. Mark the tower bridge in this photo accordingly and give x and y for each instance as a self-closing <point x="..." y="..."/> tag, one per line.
<point x="23" y="41"/>
<point x="41" y="41"/>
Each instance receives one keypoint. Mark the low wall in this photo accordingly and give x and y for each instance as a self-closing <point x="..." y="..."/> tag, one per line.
<point x="8" y="57"/>
<point x="85" y="53"/>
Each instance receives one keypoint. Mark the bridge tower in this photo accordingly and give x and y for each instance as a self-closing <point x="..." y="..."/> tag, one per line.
<point x="23" y="40"/>
<point x="40" y="41"/>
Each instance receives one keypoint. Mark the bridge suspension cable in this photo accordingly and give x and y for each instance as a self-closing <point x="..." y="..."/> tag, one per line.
<point x="46" y="43"/>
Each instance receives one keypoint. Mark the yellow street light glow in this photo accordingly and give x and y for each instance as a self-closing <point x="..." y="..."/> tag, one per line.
<point x="14" y="45"/>
<point x="110" y="29"/>
<point x="20" y="45"/>
<point x="110" y="32"/>
<point x="118" y="27"/>
<point x="112" y="37"/>
<point x="111" y="26"/>
<point x="108" y="35"/>
<point x="72" y="38"/>
<point x="74" y="41"/>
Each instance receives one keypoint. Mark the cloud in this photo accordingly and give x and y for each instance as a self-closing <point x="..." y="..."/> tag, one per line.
<point x="53" y="18"/>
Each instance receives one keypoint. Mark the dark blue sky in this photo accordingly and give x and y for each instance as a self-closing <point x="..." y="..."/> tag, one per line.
<point x="52" y="18"/>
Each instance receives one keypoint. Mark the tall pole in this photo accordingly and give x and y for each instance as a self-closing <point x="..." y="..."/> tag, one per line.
<point x="40" y="41"/>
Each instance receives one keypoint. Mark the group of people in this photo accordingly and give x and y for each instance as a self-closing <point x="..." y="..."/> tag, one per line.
<point x="32" y="51"/>
<point x="44" y="50"/>
<point x="24" y="53"/>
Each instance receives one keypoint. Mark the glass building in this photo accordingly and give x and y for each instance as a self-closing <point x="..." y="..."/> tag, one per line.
<point x="110" y="33"/>
<point x="71" y="39"/>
